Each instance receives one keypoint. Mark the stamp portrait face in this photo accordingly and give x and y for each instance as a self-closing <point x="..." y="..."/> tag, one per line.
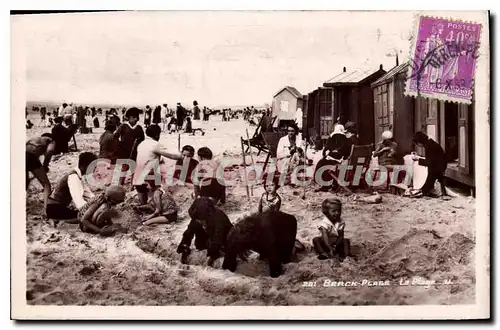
<point x="443" y="59"/>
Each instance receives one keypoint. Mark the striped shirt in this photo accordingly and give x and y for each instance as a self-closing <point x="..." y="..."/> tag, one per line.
<point x="168" y="204"/>
<point x="99" y="199"/>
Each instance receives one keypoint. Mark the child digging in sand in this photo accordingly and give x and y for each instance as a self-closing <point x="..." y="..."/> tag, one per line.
<point x="163" y="207"/>
<point x="95" y="216"/>
<point x="332" y="241"/>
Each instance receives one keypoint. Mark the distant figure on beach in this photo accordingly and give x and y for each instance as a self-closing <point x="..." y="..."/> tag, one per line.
<point x="147" y="116"/>
<point x="196" y="111"/>
<point x="157" y="115"/>
<point x="180" y="114"/>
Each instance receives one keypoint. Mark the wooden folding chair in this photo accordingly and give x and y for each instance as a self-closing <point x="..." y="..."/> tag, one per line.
<point x="271" y="139"/>
<point x="265" y="125"/>
<point x="360" y="155"/>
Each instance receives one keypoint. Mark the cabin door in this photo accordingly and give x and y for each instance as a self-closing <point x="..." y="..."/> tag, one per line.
<point x="432" y="119"/>
<point x="463" y="138"/>
<point x="325" y="105"/>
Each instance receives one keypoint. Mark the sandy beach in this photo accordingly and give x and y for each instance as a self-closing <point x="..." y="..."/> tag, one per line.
<point x="429" y="242"/>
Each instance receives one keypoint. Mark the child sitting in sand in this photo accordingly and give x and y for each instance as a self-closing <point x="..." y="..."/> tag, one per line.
<point x="270" y="200"/>
<point x="95" y="216"/>
<point x="162" y="206"/>
<point x="332" y="241"/>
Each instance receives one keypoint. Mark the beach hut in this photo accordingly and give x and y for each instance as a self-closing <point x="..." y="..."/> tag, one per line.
<point x="285" y="104"/>
<point x="450" y="124"/>
<point x="393" y="110"/>
<point x="347" y="96"/>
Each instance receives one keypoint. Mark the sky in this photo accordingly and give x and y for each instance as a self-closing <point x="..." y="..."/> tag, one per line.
<point x="216" y="58"/>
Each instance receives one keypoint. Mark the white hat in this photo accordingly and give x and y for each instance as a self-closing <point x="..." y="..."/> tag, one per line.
<point x="386" y="135"/>
<point x="338" y="129"/>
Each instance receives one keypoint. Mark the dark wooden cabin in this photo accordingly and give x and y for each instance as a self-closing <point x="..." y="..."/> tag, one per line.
<point x="394" y="110"/>
<point x="347" y="96"/>
<point x="450" y="124"/>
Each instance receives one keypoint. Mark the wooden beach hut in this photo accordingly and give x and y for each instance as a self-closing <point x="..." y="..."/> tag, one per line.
<point x="347" y="96"/>
<point x="450" y="124"/>
<point x="285" y="104"/>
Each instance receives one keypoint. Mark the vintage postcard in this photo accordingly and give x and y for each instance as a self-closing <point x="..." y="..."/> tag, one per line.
<point x="187" y="165"/>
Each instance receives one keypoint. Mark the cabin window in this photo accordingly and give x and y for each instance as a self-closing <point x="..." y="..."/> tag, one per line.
<point x="284" y="106"/>
<point x="451" y="132"/>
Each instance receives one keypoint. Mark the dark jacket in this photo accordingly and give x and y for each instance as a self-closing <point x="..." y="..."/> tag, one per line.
<point x="217" y="227"/>
<point x="435" y="158"/>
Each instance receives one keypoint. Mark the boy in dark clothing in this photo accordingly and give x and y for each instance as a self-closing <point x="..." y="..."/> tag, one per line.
<point x="209" y="186"/>
<point x="435" y="160"/>
<point x="62" y="135"/>
<point x="108" y="143"/>
<point x="185" y="165"/>
<point x="129" y="135"/>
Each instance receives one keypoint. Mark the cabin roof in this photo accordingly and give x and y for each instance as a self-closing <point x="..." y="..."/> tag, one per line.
<point x="350" y="77"/>
<point x="292" y="90"/>
<point x="389" y="76"/>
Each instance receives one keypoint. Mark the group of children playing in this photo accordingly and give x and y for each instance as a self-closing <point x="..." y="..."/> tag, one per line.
<point x="94" y="214"/>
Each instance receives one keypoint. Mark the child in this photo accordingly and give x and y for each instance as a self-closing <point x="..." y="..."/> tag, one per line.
<point x="95" y="216"/>
<point x="435" y="160"/>
<point x="96" y="122"/>
<point x="72" y="187"/>
<point x="209" y="186"/>
<point x="108" y="143"/>
<point x="149" y="150"/>
<point x="29" y="124"/>
<point x="387" y="151"/>
<point x="190" y="129"/>
<point x="163" y="207"/>
<point x="49" y="121"/>
<point x="185" y="165"/>
<point x="35" y="148"/>
<point x="130" y="134"/>
<point x="331" y="228"/>
<point x="270" y="200"/>
<point x="172" y="125"/>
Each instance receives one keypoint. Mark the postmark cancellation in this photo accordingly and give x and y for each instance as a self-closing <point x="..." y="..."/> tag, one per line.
<point x="443" y="59"/>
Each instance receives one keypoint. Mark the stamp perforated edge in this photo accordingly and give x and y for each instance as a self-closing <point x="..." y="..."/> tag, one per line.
<point x="413" y="42"/>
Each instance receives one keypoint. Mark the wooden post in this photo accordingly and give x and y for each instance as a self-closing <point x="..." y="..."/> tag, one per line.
<point x="305" y="165"/>
<point x="251" y="157"/>
<point x="179" y="142"/>
<point x="245" y="172"/>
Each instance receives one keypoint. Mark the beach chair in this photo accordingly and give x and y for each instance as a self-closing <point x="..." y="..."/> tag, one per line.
<point x="271" y="140"/>
<point x="265" y="125"/>
<point x="361" y="155"/>
<point x="314" y="139"/>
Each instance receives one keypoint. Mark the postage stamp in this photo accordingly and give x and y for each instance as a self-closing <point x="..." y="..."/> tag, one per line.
<point x="443" y="59"/>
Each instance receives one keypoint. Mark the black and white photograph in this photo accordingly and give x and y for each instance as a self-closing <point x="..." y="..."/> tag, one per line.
<point x="307" y="159"/>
